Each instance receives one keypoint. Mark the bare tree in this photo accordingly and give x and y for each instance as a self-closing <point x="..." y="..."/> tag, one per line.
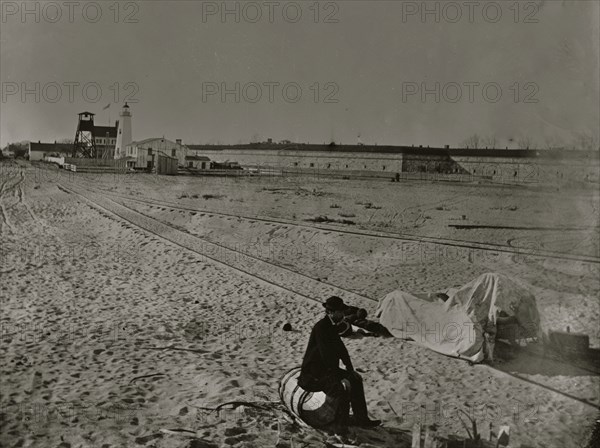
<point x="553" y="142"/>
<point x="18" y="149"/>
<point x="489" y="141"/>
<point x="472" y="142"/>
<point x="525" y="142"/>
<point x="585" y="141"/>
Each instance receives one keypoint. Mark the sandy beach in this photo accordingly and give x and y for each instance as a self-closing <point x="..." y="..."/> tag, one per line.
<point x="133" y="302"/>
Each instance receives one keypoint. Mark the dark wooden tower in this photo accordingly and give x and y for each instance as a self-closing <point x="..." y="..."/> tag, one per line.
<point x="85" y="144"/>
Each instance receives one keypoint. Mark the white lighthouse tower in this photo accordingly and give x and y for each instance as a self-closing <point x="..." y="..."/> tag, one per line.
<point x="124" y="132"/>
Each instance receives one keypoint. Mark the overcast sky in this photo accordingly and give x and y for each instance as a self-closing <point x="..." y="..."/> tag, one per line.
<point x="361" y="67"/>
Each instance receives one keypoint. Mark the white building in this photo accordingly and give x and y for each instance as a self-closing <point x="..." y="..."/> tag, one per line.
<point x="144" y="153"/>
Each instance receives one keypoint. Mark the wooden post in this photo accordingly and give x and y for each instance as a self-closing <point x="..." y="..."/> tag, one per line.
<point x="430" y="437"/>
<point x="416" y="436"/>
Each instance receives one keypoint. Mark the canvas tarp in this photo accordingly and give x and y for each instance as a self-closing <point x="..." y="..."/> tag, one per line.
<point x="456" y="327"/>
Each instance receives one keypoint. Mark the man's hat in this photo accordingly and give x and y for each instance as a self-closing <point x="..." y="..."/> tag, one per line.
<point x="334" y="303"/>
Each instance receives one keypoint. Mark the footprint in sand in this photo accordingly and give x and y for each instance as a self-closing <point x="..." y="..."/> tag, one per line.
<point x="233" y="384"/>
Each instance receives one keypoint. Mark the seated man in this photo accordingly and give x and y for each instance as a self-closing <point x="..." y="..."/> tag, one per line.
<point x="321" y="372"/>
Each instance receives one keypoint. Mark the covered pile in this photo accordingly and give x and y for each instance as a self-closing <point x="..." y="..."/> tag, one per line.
<point x="456" y="326"/>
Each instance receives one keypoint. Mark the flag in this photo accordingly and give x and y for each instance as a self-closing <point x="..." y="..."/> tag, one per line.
<point x="106" y="107"/>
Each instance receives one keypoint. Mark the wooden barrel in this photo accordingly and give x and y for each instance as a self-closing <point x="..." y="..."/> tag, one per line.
<point x="314" y="408"/>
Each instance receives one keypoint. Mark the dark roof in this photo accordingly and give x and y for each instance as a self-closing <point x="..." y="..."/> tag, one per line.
<point x="100" y="131"/>
<point x="202" y="158"/>
<point x="409" y="150"/>
<point x="162" y="154"/>
<point x="52" y="147"/>
<point x="162" y="139"/>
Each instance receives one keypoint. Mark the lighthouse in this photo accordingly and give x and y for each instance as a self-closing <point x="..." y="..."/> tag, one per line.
<point x="123" y="133"/>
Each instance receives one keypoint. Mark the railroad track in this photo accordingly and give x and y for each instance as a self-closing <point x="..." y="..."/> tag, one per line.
<point x="246" y="264"/>
<point x="261" y="270"/>
<point x="463" y="244"/>
<point x="5" y="188"/>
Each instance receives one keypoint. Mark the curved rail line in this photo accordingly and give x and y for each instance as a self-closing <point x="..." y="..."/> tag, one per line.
<point x="220" y="246"/>
<point x="493" y="247"/>
<point x="278" y="285"/>
<point x="4" y="189"/>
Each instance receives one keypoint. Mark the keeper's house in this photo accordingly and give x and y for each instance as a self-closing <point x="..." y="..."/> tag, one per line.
<point x="106" y="139"/>
<point x="143" y="154"/>
<point x="39" y="151"/>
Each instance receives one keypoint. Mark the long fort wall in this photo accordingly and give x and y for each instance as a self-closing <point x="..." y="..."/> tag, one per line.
<point x="523" y="169"/>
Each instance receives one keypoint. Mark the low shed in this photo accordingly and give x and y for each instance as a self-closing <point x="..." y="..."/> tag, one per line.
<point x="166" y="165"/>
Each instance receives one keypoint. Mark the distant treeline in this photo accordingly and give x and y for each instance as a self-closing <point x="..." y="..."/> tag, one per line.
<point x="19" y="149"/>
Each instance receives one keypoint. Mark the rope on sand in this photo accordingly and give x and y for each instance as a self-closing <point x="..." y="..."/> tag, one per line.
<point x="262" y="405"/>
<point x="145" y="376"/>
<point x="272" y="406"/>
